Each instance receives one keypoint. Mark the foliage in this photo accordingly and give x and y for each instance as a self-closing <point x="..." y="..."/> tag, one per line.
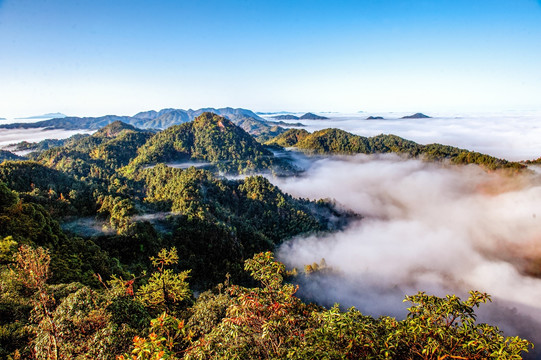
<point x="209" y="137"/>
<point x="336" y="141"/>
<point x="270" y="322"/>
<point x="165" y="288"/>
<point x="167" y="335"/>
<point x="437" y="327"/>
<point x="217" y="223"/>
<point x="8" y="155"/>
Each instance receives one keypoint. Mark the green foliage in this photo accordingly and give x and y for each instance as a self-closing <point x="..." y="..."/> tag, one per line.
<point x="8" y="198"/>
<point x="167" y="335"/>
<point x="335" y="141"/>
<point x="8" y="155"/>
<point x="208" y="311"/>
<point x="334" y="334"/>
<point x="437" y="327"/>
<point x="219" y="223"/>
<point x="260" y="322"/>
<point x="289" y="138"/>
<point x="165" y="288"/>
<point x="270" y="322"/>
<point x="210" y="138"/>
<point x="59" y="192"/>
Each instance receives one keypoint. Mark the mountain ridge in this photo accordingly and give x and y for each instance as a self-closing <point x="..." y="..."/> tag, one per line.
<point x="152" y="119"/>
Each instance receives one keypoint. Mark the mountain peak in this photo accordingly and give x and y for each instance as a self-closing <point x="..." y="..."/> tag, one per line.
<point x="416" y="116"/>
<point x="114" y="128"/>
<point x="312" y="116"/>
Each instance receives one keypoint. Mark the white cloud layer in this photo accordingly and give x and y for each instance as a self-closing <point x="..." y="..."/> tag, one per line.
<point x="426" y="227"/>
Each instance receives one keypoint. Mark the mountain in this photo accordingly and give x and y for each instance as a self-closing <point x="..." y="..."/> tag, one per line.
<point x="336" y="141"/>
<point x="416" y="116"/>
<point x="46" y="116"/>
<point x="273" y="113"/>
<point x="534" y="162"/>
<point x="310" y="116"/>
<point x="375" y="118"/>
<point x="285" y="117"/>
<point x="70" y="123"/>
<point x="152" y="114"/>
<point x="283" y="123"/>
<point x="1" y="118"/>
<point x="114" y="129"/>
<point x="165" y="119"/>
<point x="8" y="155"/>
<point x="208" y="137"/>
<point x="101" y="153"/>
<point x="290" y="138"/>
<point x="162" y="119"/>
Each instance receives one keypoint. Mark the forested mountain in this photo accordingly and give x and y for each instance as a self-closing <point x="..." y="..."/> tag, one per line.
<point x="534" y="162"/>
<point x="336" y="141"/>
<point x="8" y="155"/>
<point x="102" y="257"/>
<point x="311" y="116"/>
<point x="285" y="117"/>
<point x="416" y="116"/>
<point x="210" y="138"/>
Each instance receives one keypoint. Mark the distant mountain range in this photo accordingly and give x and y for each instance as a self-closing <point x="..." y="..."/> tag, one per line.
<point x="307" y="116"/>
<point x="246" y="119"/>
<point x="45" y="116"/>
<point x="285" y="117"/>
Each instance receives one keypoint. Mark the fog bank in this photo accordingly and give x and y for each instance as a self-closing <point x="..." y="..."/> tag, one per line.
<point x="426" y="227"/>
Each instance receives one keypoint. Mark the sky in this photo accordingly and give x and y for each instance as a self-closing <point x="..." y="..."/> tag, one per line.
<point x="120" y="57"/>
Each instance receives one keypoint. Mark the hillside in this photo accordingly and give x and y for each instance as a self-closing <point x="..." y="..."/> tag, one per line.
<point x="210" y="138"/>
<point x="285" y="117"/>
<point x="416" y="116"/>
<point x="8" y="155"/>
<point x="310" y="116"/>
<point x="335" y="141"/>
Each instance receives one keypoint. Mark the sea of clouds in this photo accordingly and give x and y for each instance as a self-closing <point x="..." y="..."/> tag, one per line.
<point x="427" y="227"/>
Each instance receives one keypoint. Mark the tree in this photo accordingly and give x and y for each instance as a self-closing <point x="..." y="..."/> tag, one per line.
<point x="260" y="322"/>
<point x="438" y="328"/>
<point x="165" y="288"/>
<point x="32" y="270"/>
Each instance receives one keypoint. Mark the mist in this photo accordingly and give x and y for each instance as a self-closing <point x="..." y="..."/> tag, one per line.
<point x="14" y="136"/>
<point x="427" y="227"/>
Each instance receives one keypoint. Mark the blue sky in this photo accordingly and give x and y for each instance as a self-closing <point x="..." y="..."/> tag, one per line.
<point x="120" y="57"/>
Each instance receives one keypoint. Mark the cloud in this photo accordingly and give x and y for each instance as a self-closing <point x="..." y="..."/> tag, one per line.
<point x="426" y="227"/>
<point x="14" y="136"/>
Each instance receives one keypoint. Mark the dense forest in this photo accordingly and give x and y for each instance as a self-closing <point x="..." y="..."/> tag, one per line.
<point x="336" y="141"/>
<point x="106" y="252"/>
